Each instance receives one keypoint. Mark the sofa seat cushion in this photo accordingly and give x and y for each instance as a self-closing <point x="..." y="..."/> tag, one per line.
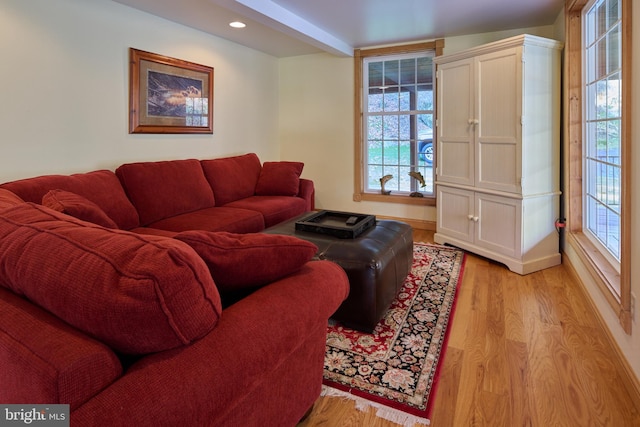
<point x="46" y="361"/>
<point x="9" y="199"/>
<point x="137" y="294"/>
<point x="279" y="179"/>
<point x="78" y="207"/>
<point x="274" y="209"/>
<point x="222" y="218"/>
<point x="248" y="260"/>
<point x="232" y="178"/>
<point x="165" y="189"/>
<point x="101" y="187"/>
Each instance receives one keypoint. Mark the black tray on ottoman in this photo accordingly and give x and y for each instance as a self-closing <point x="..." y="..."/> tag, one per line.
<point x="343" y="225"/>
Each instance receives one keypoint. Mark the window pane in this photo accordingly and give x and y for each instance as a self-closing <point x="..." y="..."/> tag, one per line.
<point x="601" y="58"/>
<point x="374" y="153"/>
<point x="590" y="102"/>
<point x="590" y="178"/>
<point x="615" y="194"/>
<point x="408" y="71"/>
<point x="405" y="127"/>
<point x="614" y="12"/>
<point x="375" y="173"/>
<point x="391" y="99"/>
<point x="374" y="129"/>
<point x="390" y="127"/>
<point x="613" y="235"/>
<point x="375" y="101"/>
<point x="392" y="184"/>
<point x="425" y="126"/>
<point x="601" y="141"/>
<point x="391" y="154"/>
<point x="405" y="152"/>
<point x="613" y="51"/>
<point x="613" y="142"/>
<point x="425" y="97"/>
<point x="406" y="100"/>
<point x="590" y="27"/>
<point x="425" y="70"/>
<point x="391" y="73"/>
<point x="601" y="99"/>
<point x="600" y="193"/>
<point x="601" y="18"/>
<point x="613" y="96"/>
<point x="404" y="183"/>
<point x="375" y="74"/>
<point x="591" y="214"/>
<point x="601" y="222"/>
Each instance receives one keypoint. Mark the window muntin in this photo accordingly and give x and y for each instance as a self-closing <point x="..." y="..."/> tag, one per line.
<point x="398" y="122"/>
<point x="602" y="160"/>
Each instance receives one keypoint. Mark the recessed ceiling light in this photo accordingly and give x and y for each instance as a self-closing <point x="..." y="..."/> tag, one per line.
<point x="237" y="24"/>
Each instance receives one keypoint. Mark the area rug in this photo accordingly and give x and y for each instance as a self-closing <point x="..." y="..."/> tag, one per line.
<point x="395" y="368"/>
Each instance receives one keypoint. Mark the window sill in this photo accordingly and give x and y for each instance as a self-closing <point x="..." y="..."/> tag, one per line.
<point x="602" y="272"/>
<point x="391" y="198"/>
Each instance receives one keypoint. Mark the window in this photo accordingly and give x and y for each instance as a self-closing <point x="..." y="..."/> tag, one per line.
<point x="602" y="113"/>
<point x="398" y="121"/>
<point x="395" y="117"/>
<point x="598" y="138"/>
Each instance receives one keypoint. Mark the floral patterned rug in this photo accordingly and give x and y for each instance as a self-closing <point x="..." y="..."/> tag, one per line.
<point x="394" y="369"/>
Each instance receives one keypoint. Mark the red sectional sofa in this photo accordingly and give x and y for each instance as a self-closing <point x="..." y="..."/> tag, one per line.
<point x="112" y="295"/>
<point x="235" y="194"/>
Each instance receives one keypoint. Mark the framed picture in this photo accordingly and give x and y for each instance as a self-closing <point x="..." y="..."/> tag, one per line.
<point x="168" y="95"/>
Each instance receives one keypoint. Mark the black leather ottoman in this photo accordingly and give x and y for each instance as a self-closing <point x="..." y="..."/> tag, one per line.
<point x="376" y="262"/>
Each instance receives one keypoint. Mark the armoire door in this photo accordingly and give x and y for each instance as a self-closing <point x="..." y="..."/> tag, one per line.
<point x="455" y="127"/>
<point x="498" y="112"/>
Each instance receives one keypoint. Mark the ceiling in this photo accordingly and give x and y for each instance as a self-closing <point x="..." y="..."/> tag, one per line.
<point x="297" y="27"/>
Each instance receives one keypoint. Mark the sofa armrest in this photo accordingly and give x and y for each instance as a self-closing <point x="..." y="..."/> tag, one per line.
<point x="44" y="360"/>
<point x="307" y="191"/>
<point x="275" y="335"/>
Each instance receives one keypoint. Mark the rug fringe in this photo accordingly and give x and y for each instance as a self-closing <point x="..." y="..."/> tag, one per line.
<point x="382" y="411"/>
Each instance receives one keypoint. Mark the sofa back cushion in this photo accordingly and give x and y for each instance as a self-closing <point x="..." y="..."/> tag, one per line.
<point x="44" y="360"/>
<point x="100" y="187"/>
<point x="232" y="178"/>
<point x="77" y="206"/>
<point x="238" y="261"/>
<point x="137" y="294"/>
<point x="161" y="190"/>
<point x="8" y="199"/>
<point x="279" y="179"/>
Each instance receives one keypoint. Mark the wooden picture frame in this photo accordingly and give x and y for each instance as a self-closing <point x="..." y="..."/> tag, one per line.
<point x="168" y="95"/>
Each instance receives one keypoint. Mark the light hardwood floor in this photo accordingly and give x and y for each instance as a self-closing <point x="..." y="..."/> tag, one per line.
<point x="523" y="351"/>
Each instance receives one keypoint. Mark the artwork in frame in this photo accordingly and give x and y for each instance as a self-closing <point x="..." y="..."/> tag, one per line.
<point x="168" y="95"/>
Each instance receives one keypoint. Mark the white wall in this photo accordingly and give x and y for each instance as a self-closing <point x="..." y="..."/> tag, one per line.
<point x="64" y="89"/>
<point x="317" y="124"/>
<point x="456" y="44"/>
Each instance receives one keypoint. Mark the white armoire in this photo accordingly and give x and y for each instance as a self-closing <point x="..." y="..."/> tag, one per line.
<point x="498" y="150"/>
